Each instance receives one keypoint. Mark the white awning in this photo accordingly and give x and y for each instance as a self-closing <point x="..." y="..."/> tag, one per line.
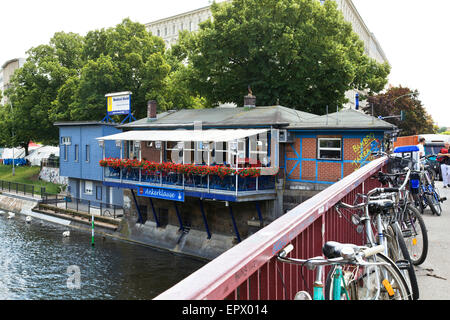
<point x="212" y="135"/>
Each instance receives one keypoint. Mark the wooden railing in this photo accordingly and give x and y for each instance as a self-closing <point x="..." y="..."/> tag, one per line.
<point x="250" y="270"/>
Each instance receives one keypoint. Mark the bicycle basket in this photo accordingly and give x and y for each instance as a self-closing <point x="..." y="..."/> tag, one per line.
<point x="414" y="182"/>
<point x="397" y="164"/>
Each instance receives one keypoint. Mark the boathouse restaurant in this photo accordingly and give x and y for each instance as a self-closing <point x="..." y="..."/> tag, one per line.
<point x="223" y="173"/>
<point x="212" y="177"/>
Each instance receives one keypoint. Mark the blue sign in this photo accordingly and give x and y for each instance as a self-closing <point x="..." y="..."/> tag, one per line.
<point x="161" y="193"/>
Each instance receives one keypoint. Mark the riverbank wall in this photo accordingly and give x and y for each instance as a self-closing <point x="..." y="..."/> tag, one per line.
<point x="191" y="243"/>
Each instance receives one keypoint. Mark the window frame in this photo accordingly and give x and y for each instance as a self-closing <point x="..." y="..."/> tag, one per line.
<point x="77" y="151"/>
<point x="86" y="190"/>
<point x="87" y="153"/>
<point x="329" y="149"/>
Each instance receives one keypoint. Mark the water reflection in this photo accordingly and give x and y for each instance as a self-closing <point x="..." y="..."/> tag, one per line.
<point x="34" y="259"/>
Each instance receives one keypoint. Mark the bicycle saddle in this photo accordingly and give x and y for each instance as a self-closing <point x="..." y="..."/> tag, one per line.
<point x="381" y="204"/>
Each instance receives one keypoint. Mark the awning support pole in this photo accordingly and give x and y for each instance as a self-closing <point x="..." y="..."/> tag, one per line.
<point x="258" y="209"/>
<point x="204" y="218"/>
<point x="236" y="231"/>
<point x="178" y="216"/>
<point x="140" y="220"/>
<point x="154" y="213"/>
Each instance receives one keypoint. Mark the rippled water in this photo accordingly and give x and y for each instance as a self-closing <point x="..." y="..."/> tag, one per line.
<point x="35" y="257"/>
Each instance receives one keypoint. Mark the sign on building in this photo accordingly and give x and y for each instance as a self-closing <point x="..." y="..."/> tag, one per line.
<point x="161" y="193"/>
<point x="118" y="103"/>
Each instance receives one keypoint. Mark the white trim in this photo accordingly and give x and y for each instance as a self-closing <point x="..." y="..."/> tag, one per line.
<point x="329" y="149"/>
<point x="213" y="135"/>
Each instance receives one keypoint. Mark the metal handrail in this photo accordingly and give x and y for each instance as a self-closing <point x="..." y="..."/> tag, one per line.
<point x="248" y="264"/>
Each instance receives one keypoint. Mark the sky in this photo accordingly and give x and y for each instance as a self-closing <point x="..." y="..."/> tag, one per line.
<point x="412" y="33"/>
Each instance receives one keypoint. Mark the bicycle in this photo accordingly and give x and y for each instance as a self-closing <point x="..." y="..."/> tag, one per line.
<point x="358" y="273"/>
<point x="422" y="188"/>
<point x="409" y="218"/>
<point x="382" y="211"/>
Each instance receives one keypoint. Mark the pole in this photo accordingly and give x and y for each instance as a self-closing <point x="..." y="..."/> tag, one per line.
<point x="92" y="239"/>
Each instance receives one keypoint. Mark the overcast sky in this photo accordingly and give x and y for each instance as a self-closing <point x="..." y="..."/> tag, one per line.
<point x="412" y="33"/>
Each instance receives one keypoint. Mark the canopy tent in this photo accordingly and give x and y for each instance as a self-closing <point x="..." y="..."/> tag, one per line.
<point x="212" y="135"/>
<point x="44" y="152"/>
<point x="8" y="153"/>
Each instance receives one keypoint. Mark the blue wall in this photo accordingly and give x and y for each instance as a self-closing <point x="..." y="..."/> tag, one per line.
<point x="82" y="170"/>
<point x="82" y="136"/>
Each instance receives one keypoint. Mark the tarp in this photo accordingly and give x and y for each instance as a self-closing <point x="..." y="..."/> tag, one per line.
<point x="213" y="135"/>
<point x="37" y="155"/>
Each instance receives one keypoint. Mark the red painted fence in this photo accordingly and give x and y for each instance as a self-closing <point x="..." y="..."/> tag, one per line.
<point x="250" y="270"/>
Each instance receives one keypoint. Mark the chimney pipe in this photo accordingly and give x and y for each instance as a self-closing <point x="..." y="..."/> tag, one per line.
<point x="151" y="110"/>
<point x="250" y="99"/>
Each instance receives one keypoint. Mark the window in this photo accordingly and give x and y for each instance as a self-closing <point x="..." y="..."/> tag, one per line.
<point x="98" y="193"/>
<point x="88" y="153"/>
<point x="76" y="153"/>
<point x="329" y="148"/>
<point x="66" y="152"/>
<point x="66" y="140"/>
<point x="88" y="187"/>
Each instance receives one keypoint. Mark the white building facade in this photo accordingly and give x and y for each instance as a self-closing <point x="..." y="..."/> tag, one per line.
<point x="6" y="72"/>
<point x="168" y="29"/>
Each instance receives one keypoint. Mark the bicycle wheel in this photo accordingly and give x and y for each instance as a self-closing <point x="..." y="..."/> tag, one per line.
<point x="415" y="235"/>
<point x="418" y="202"/>
<point x="434" y="203"/>
<point x="383" y="281"/>
<point x="409" y="272"/>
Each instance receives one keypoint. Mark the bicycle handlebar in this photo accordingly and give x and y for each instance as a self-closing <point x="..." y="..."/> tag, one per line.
<point x="372" y="251"/>
<point x="347" y="252"/>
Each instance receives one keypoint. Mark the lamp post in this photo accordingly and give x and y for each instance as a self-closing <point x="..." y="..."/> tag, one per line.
<point x="13" y="167"/>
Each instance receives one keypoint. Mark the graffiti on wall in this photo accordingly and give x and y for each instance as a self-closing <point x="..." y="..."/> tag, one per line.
<point x="52" y="175"/>
<point x="365" y="150"/>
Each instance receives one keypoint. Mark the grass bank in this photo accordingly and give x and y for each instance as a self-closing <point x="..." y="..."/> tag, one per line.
<point x="27" y="175"/>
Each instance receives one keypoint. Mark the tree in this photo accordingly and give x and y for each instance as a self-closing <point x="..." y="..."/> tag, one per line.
<point x="33" y="88"/>
<point x="397" y="99"/>
<point x="299" y="52"/>
<point x="124" y="58"/>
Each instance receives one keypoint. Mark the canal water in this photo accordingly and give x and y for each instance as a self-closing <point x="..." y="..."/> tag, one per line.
<point x="37" y="262"/>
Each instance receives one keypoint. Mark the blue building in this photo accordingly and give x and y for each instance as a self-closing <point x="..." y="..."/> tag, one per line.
<point x="80" y="154"/>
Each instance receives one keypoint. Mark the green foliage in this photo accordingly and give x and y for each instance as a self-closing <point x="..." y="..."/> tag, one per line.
<point x="34" y="88"/>
<point x="298" y="51"/>
<point x="67" y="79"/>
<point x="397" y="99"/>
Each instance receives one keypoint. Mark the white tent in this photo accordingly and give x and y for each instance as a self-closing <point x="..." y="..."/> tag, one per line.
<point x="37" y="155"/>
<point x="8" y="153"/>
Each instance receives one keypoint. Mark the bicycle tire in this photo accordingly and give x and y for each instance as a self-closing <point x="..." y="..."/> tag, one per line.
<point x="410" y="270"/>
<point x="415" y="235"/>
<point x="418" y="202"/>
<point x="359" y="288"/>
<point x="434" y="202"/>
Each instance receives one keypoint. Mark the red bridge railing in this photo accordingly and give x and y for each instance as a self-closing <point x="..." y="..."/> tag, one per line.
<point x="250" y="270"/>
